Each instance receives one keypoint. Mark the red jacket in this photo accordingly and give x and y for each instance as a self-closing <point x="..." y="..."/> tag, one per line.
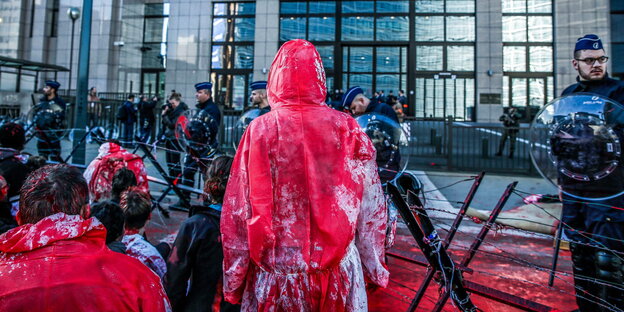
<point x="62" y="264"/>
<point x="304" y="216"/>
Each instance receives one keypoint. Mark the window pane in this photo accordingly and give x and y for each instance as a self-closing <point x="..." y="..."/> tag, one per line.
<point x="536" y="92"/>
<point x="219" y="9"/>
<point x="153" y="29"/>
<point x="244" y="57"/>
<point x="154" y="9"/>
<point x="388" y="59"/>
<point x="460" y="28"/>
<point x="514" y="59"/>
<point x="514" y="29"/>
<point x="327" y="56"/>
<point x="292" y="28"/>
<point x="618" y="49"/>
<point x="518" y="92"/>
<point x="428" y="58"/>
<point x="238" y="92"/>
<point x="322" y="28"/>
<point x="393" y="28"/>
<point x="429" y="28"/>
<point x="357" y="28"/>
<point x="293" y="7"/>
<point x="220" y="56"/>
<point x="8" y="82"/>
<point x="152" y="57"/>
<point x="460" y="58"/>
<point x="219" y="29"/>
<point x="617" y="22"/>
<point x="539" y="6"/>
<point x="244" y="29"/>
<point x="388" y="83"/>
<point x="361" y="59"/>
<point x="514" y="6"/>
<point x="429" y="6"/>
<point x="460" y="6"/>
<point x="540" y="59"/>
<point x="505" y="91"/>
<point x="362" y="80"/>
<point x="540" y="28"/>
<point x="550" y="89"/>
<point x="357" y="7"/>
<point x="392" y="6"/>
<point x="322" y="7"/>
<point x="245" y="8"/>
<point x="617" y="5"/>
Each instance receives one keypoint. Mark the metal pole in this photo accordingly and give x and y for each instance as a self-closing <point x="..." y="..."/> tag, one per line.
<point x="80" y="118"/>
<point x="71" y="57"/>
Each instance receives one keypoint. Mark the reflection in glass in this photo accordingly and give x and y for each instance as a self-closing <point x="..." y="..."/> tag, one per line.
<point x="541" y="59"/>
<point x="152" y="56"/>
<point x="505" y="91"/>
<point x="514" y="29"/>
<point x="357" y="28"/>
<point x="292" y="7"/>
<point x="429" y="6"/>
<point x="536" y="92"/>
<point x="429" y="28"/>
<point x="245" y="8"/>
<point x="8" y="82"/>
<point x="357" y="7"/>
<point x="398" y="6"/>
<point x="550" y="88"/>
<point x="153" y="30"/>
<point x="292" y="28"/>
<point x="518" y="91"/>
<point x="540" y="28"/>
<point x="419" y="105"/>
<point x="322" y="7"/>
<point x="428" y="58"/>
<point x="393" y="28"/>
<point x="460" y="6"/>
<point x="220" y="56"/>
<point x="460" y="28"/>
<point x="238" y="92"/>
<point x="327" y="56"/>
<point x="388" y="83"/>
<point x="243" y="57"/>
<point x="514" y="6"/>
<point x="460" y="58"/>
<point x="245" y="29"/>
<point x="360" y="59"/>
<point x="219" y="9"/>
<point x="539" y="6"/>
<point x="514" y="58"/>
<point x="365" y="81"/>
<point x="321" y="28"/>
<point x="388" y="59"/>
<point x="437" y="98"/>
<point x="219" y="29"/>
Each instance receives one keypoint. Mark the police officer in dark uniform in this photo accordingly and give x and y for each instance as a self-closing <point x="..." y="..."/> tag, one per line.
<point x="259" y="96"/>
<point x="594" y="222"/>
<point x="511" y="122"/>
<point x="49" y="122"/>
<point x="170" y="114"/>
<point x="357" y="103"/>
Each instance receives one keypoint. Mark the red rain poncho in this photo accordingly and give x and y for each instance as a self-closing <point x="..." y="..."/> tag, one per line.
<point x="304" y="216"/>
<point x="61" y="263"/>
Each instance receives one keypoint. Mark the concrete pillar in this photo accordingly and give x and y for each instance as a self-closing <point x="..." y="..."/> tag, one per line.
<point x="266" y="37"/>
<point x="489" y="62"/>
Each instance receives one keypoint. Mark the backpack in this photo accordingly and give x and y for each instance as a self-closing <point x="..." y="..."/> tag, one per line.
<point x="101" y="183"/>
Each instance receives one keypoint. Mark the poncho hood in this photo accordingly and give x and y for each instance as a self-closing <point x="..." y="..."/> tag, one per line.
<point x="297" y="76"/>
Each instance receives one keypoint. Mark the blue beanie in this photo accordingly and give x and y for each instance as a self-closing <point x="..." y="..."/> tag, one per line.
<point x="203" y="86"/>
<point x="348" y="97"/>
<point x="258" y="85"/>
<point x="588" y="42"/>
<point x="53" y="84"/>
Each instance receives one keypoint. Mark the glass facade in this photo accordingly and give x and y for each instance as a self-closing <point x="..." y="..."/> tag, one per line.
<point x="617" y="38"/>
<point x="154" y="48"/>
<point x="527" y="53"/>
<point x="232" y="58"/>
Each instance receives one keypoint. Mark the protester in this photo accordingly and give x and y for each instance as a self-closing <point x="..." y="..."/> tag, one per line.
<point x="112" y="217"/>
<point x="127" y="115"/>
<point x="137" y="208"/>
<point x="93" y="109"/>
<point x="56" y="260"/>
<point x="304" y="220"/>
<point x="123" y="179"/>
<point x="197" y="252"/>
<point x="147" y="117"/>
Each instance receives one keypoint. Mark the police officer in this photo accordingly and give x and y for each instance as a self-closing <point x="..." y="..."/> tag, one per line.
<point x="511" y="123"/>
<point x="259" y="96"/>
<point x="357" y="103"/>
<point x="595" y="222"/>
<point x="49" y="132"/>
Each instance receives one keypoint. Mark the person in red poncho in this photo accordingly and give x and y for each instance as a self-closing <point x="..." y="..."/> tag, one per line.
<point x="57" y="259"/>
<point x="304" y="216"/>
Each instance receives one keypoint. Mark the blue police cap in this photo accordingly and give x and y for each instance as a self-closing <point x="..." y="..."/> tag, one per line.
<point x="258" y="85"/>
<point x="203" y="86"/>
<point x="588" y="42"/>
<point x="53" y="84"/>
<point x="348" y="97"/>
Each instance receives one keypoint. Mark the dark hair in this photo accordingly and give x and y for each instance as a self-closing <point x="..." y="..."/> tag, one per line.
<point x="111" y="216"/>
<point x="50" y="190"/>
<point x="12" y="135"/>
<point x="122" y="180"/>
<point x="175" y="96"/>
<point x="217" y="178"/>
<point x="137" y="208"/>
<point x="130" y="96"/>
<point x="35" y="162"/>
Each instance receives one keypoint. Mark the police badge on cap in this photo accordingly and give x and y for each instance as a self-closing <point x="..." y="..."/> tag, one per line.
<point x="203" y="86"/>
<point x="588" y="42"/>
<point x="53" y="84"/>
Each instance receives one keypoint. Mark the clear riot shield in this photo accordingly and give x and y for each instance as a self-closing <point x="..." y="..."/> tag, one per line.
<point x="192" y="130"/>
<point x="48" y="120"/>
<point x="576" y="145"/>
<point x="242" y="124"/>
<point x="388" y="138"/>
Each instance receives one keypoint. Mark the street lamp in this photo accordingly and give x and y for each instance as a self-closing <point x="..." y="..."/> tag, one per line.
<point x="73" y="14"/>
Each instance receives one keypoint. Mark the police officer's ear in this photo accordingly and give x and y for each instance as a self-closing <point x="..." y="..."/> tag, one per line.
<point x="575" y="64"/>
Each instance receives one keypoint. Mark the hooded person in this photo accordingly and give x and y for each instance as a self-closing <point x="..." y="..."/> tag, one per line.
<point x="304" y="220"/>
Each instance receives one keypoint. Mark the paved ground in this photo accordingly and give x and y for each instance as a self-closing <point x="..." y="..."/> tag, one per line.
<point x="509" y="261"/>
